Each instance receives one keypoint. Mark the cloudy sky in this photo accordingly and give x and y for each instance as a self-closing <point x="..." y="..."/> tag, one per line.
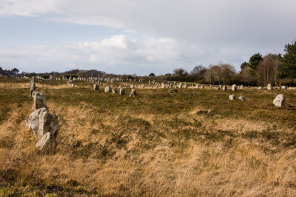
<point x="140" y="36"/>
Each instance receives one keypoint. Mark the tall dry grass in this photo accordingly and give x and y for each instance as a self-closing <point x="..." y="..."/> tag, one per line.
<point x="158" y="144"/>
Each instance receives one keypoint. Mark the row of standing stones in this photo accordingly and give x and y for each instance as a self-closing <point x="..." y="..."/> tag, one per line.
<point x="279" y="101"/>
<point x="43" y="124"/>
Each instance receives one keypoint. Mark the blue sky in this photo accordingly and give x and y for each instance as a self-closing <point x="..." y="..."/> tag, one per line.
<point x="129" y="36"/>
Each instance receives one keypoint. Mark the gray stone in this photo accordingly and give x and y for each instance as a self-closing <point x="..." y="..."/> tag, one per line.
<point x="242" y="98"/>
<point x="39" y="100"/>
<point x="47" y="143"/>
<point x="133" y="93"/>
<point x="108" y="89"/>
<point x="96" y="87"/>
<point x="114" y="91"/>
<point x="232" y="97"/>
<point x="259" y="88"/>
<point x="233" y="87"/>
<point x="33" y="121"/>
<point x="224" y="87"/>
<point x="269" y="87"/>
<point x="122" y="91"/>
<point x="279" y="100"/>
<point x="47" y="123"/>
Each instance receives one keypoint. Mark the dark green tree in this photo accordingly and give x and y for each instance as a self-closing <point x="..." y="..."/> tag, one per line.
<point x="288" y="68"/>
<point x="255" y="60"/>
<point x="152" y="75"/>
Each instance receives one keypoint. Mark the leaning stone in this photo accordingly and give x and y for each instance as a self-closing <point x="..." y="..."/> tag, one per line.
<point x="269" y="87"/>
<point x="47" y="143"/>
<point x="122" y="91"/>
<point x="232" y="97"/>
<point x="279" y="100"/>
<point x="242" y="98"/>
<point x="133" y="93"/>
<point x="108" y="89"/>
<point x="39" y="100"/>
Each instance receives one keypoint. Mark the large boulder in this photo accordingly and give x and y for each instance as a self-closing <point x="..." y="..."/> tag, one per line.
<point x="279" y="100"/>
<point x="41" y="122"/>
<point x="39" y="100"/>
<point x="33" y="121"/>
<point x="47" y="143"/>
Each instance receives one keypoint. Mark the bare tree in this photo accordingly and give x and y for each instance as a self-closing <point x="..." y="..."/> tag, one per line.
<point x="267" y="68"/>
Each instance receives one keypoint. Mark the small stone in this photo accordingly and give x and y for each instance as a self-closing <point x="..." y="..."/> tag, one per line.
<point x="279" y="100"/>
<point x="122" y="91"/>
<point x="108" y="89"/>
<point x="232" y="97"/>
<point x="242" y="98"/>
<point x="96" y="87"/>
<point x="39" y="100"/>
<point x="269" y="87"/>
<point x="233" y="87"/>
<point x="133" y="93"/>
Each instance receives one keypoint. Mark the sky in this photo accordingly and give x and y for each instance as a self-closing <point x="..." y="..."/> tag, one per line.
<point x="140" y="36"/>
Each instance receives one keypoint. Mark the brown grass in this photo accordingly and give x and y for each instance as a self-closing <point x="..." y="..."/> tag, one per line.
<point x="157" y="144"/>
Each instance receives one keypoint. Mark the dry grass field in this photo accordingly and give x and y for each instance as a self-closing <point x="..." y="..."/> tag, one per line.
<point x="189" y="143"/>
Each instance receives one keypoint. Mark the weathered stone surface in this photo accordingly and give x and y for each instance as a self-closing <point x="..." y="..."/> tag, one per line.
<point x="122" y="91"/>
<point x="224" y="87"/>
<point x="47" y="123"/>
<point x="180" y="85"/>
<point x="33" y="121"/>
<point x="41" y="122"/>
<point x="269" y="87"/>
<point x="96" y="87"/>
<point x="133" y="93"/>
<point x="47" y="143"/>
<point x="197" y="86"/>
<point x="39" y="100"/>
<point x="279" y="100"/>
<point x="233" y="87"/>
<point x="232" y="97"/>
<point x="242" y="98"/>
<point x="108" y="89"/>
<point x="283" y="87"/>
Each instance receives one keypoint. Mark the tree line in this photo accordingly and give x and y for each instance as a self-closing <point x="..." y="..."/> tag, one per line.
<point x="261" y="70"/>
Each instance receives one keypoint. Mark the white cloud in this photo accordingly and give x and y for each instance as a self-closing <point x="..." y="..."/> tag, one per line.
<point x="180" y="33"/>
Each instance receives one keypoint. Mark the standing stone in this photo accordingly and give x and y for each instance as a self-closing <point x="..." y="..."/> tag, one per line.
<point x="39" y="100"/>
<point x="34" y="120"/>
<point x="202" y="86"/>
<point x="47" y="123"/>
<point x="241" y="87"/>
<point x="259" y="88"/>
<point x="232" y="97"/>
<point x="233" y="87"/>
<point x="197" y="86"/>
<point x="211" y="86"/>
<point x="114" y="91"/>
<point x="224" y="87"/>
<point x="283" y="87"/>
<point x="96" y="87"/>
<point x="133" y="93"/>
<point x="242" y="98"/>
<point x="162" y="85"/>
<point x="108" y="89"/>
<point x="122" y="91"/>
<point x="218" y="88"/>
<point x="180" y="85"/>
<point x="186" y="85"/>
<point x="269" y="87"/>
<point x="47" y="143"/>
<point x="279" y="100"/>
